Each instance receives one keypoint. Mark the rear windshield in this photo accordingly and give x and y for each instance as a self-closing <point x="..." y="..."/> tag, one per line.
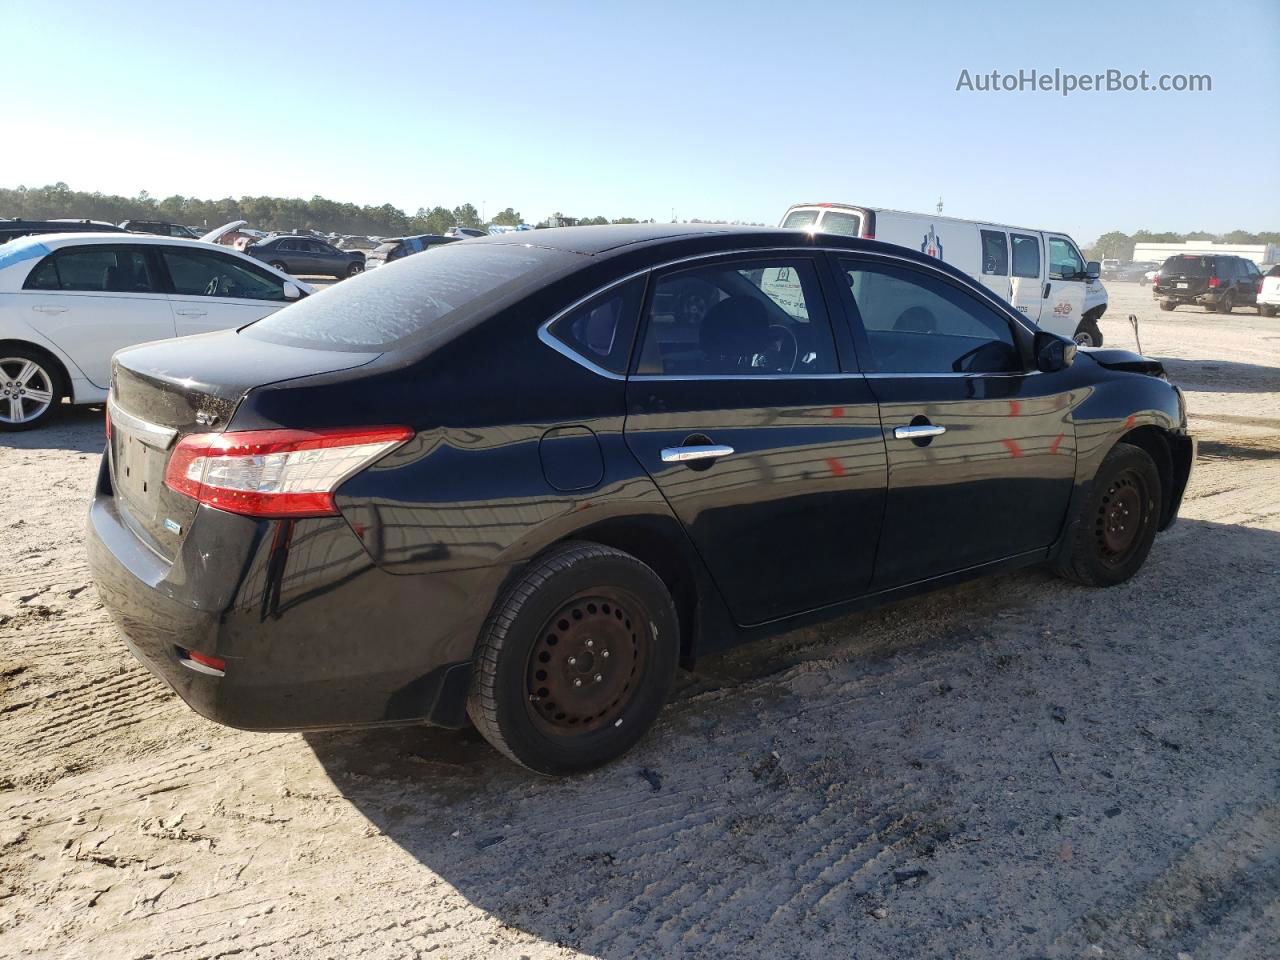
<point x="797" y="219"/>
<point x="416" y="300"/>
<point x="841" y="224"/>
<point x="1189" y="266"/>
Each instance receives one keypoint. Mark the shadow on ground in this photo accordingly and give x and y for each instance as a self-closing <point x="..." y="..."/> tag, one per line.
<point x="994" y="769"/>
<point x="76" y="428"/>
<point x="1222" y="376"/>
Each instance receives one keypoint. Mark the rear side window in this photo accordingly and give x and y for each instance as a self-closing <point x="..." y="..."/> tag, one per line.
<point x="1026" y="256"/>
<point x="601" y="331"/>
<point x="422" y="299"/>
<point x="738" y="318"/>
<point x="94" y="270"/>
<point x="917" y="323"/>
<point x="995" y="253"/>
<point x="200" y="273"/>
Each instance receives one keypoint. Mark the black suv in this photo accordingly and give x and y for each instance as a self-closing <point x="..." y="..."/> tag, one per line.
<point x="160" y="228"/>
<point x="13" y="229"/>
<point x="305" y="256"/>
<point x="1218" y="282"/>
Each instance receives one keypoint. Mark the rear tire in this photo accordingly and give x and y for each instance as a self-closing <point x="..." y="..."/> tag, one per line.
<point x="1111" y="535"/>
<point x="1225" y="304"/>
<point x="1266" y="310"/>
<point x="1167" y="304"/>
<point x="576" y="660"/>
<point x="355" y="269"/>
<point x="31" y="389"/>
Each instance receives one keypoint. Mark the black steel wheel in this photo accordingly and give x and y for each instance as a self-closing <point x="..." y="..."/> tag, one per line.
<point x="1115" y="522"/>
<point x="576" y="659"/>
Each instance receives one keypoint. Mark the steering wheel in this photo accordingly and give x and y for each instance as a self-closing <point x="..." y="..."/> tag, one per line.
<point x="968" y="362"/>
<point x="788" y="334"/>
<point x="211" y="288"/>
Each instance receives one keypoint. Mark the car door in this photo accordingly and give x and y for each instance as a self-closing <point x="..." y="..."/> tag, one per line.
<point x="981" y="451"/>
<point x="995" y="262"/>
<point x="1026" y="278"/>
<point x="95" y="299"/>
<point x="1065" y="287"/>
<point x="212" y="290"/>
<point x="765" y="446"/>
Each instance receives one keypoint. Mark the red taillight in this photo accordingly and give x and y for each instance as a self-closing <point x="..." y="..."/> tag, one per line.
<point x="275" y="473"/>
<point x="1213" y="281"/>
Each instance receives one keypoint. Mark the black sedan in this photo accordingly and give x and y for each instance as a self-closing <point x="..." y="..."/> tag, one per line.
<point x="307" y="257"/>
<point x="521" y="479"/>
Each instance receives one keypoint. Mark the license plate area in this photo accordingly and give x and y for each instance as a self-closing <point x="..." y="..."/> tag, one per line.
<point x="139" y="472"/>
<point x="1183" y="286"/>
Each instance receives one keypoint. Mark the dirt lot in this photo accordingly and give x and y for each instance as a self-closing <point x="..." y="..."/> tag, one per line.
<point x="1016" y="767"/>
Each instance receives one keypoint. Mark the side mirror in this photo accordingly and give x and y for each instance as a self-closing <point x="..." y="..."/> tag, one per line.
<point x="1053" y="353"/>
<point x="1093" y="270"/>
<point x="292" y="291"/>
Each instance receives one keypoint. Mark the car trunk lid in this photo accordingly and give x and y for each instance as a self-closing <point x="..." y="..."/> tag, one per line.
<point x="165" y="391"/>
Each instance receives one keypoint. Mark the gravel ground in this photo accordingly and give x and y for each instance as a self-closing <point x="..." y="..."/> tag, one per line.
<point x="1014" y="767"/>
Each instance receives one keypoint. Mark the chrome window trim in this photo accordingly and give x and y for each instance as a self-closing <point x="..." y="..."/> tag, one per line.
<point x="545" y="335"/>
<point x="152" y="434"/>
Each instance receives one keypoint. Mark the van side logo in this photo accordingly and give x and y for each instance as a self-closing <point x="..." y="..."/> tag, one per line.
<point x="932" y="244"/>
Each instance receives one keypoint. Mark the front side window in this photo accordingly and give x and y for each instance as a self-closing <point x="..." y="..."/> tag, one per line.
<point x="601" y="331"/>
<point x="1064" y="261"/>
<point x="199" y="273"/>
<point x="1026" y="256"/>
<point x="94" y="270"/>
<point x="741" y="318"/>
<point x="916" y="323"/>
<point x="995" y="253"/>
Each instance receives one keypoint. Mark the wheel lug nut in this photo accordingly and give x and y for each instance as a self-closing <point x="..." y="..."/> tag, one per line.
<point x="577" y="683"/>
<point x="604" y="653"/>
<point x="572" y="661"/>
<point x="591" y="643"/>
<point x="599" y="677"/>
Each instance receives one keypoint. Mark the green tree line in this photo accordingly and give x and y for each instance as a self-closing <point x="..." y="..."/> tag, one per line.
<point x="1120" y="245"/>
<point x="263" y="213"/>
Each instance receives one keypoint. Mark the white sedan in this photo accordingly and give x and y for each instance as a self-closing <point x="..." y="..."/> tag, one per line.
<point x="68" y="301"/>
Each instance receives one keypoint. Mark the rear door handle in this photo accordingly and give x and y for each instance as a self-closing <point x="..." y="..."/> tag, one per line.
<point x="191" y="313"/>
<point x="916" y="433"/>
<point x="45" y="308"/>
<point x="1047" y="287"/>
<point x="711" y="451"/>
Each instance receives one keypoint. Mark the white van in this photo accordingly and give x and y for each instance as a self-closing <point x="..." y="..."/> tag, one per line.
<point x="1040" y="272"/>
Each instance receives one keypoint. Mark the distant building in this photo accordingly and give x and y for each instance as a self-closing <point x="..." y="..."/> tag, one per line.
<point x="1259" y="253"/>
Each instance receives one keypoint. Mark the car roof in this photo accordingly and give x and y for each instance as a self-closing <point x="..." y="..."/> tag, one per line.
<point x="594" y="240"/>
<point x="56" y="240"/>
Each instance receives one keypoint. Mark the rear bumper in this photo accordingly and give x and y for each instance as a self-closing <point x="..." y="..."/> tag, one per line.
<point x="314" y="636"/>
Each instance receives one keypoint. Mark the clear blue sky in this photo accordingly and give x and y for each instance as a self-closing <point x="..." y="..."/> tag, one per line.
<point x="721" y="110"/>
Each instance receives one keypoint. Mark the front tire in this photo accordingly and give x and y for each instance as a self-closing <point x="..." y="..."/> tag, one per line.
<point x="1088" y="334"/>
<point x="31" y="389"/>
<point x="355" y="269"/>
<point x="1109" y="539"/>
<point x="576" y="660"/>
<point x="1266" y="310"/>
<point x="279" y="265"/>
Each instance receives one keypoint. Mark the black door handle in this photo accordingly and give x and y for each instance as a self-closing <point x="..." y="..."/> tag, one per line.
<point x="1046" y="291"/>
